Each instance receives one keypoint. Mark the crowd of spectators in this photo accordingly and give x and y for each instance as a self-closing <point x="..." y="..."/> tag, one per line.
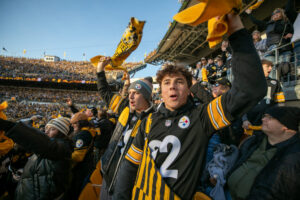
<point x="278" y="31"/>
<point x="60" y="71"/>
<point x="20" y="110"/>
<point x="48" y="95"/>
<point x="208" y="128"/>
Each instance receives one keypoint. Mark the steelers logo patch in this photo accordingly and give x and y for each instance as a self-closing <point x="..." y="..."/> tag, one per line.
<point x="184" y="122"/>
<point x="138" y="86"/>
<point x="79" y="143"/>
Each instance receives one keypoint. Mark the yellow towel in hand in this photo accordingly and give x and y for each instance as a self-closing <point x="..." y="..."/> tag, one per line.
<point x="217" y="27"/>
<point x="129" y="42"/>
<point x="214" y="12"/>
<point x="256" y="5"/>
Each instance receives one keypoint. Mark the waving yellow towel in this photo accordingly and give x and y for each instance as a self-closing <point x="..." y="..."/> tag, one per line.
<point x="214" y="12"/>
<point x="129" y="42"/>
<point x="256" y="5"/>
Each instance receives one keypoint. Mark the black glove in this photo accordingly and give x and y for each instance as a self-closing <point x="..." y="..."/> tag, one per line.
<point x="6" y="125"/>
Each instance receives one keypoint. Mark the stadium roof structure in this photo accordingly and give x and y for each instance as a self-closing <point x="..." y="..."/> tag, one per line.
<point x="186" y="44"/>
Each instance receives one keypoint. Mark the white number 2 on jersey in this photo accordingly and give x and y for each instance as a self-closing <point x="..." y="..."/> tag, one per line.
<point x="162" y="147"/>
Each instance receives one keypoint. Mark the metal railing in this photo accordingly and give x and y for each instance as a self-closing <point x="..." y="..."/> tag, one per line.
<point x="290" y="75"/>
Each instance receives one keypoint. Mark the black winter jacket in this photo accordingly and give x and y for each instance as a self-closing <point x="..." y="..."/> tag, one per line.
<point x="47" y="173"/>
<point x="275" y="30"/>
<point x="279" y="179"/>
<point x="106" y="128"/>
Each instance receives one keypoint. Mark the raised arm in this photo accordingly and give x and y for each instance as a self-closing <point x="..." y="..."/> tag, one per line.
<point x="113" y="101"/>
<point x="36" y="141"/>
<point x="102" y="85"/>
<point x="261" y="25"/>
<point x="126" y="85"/>
<point x="71" y="105"/>
<point x="249" y="85"/>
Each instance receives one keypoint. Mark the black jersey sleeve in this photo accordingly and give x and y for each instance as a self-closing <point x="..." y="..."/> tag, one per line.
<point x="73" y="109"/>
<point x="248" y="88"/>
<point x="113" y="101"/>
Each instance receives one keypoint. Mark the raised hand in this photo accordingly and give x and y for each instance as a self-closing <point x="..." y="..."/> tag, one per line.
<point x="102" y="63"/>
<point x="69" y="102"/>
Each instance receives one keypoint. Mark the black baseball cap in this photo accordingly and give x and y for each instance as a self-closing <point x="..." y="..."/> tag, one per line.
<point x="93" y="109"/>
<point x="223" y="81"/>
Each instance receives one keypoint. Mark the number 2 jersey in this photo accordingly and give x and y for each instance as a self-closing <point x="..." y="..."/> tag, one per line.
<point x="178" y="139"/>
<point x="178" y="142"/>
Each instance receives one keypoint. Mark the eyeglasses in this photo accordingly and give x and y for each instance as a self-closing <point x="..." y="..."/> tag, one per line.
<point x="216" y="85"/>
<point x="276" y="11"/>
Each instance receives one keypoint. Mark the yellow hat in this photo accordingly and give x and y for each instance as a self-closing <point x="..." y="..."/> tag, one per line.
<point x="206" y="10"/>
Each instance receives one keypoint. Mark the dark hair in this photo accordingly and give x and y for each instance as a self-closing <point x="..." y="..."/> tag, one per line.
<point x="149" y="78"/>
<point x="83" y="123"/>
<point x="225" y="40"/>
<point x="174" y="69"/>
<point x="255" y="31"/>
<point x="102" y="114"/>
<point x="264" y="61"/>
<point x="93" y="110"/>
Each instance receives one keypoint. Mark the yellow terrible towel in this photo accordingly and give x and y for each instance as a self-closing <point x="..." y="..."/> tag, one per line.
<point x="214" y="12"/>
<point x="129" y="42"/>
<point x="256" y="5"/>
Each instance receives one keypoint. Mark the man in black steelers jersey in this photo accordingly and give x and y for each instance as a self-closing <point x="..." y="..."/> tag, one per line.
<point x="166" y="157"/>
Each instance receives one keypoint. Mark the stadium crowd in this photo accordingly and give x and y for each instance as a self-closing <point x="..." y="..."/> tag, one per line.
<point x="48" y="95"/>
<point x="60" y="71"/>
<point x="208" y="138"/>
<point x="275" y="47"/>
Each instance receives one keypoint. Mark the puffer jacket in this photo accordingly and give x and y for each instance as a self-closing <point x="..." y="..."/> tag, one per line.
<point x="47" y="173"/>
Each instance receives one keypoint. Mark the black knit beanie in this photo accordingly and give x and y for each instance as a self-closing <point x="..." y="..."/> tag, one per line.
<point x="143" y="87"/>
<point x="288" y="116"/>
